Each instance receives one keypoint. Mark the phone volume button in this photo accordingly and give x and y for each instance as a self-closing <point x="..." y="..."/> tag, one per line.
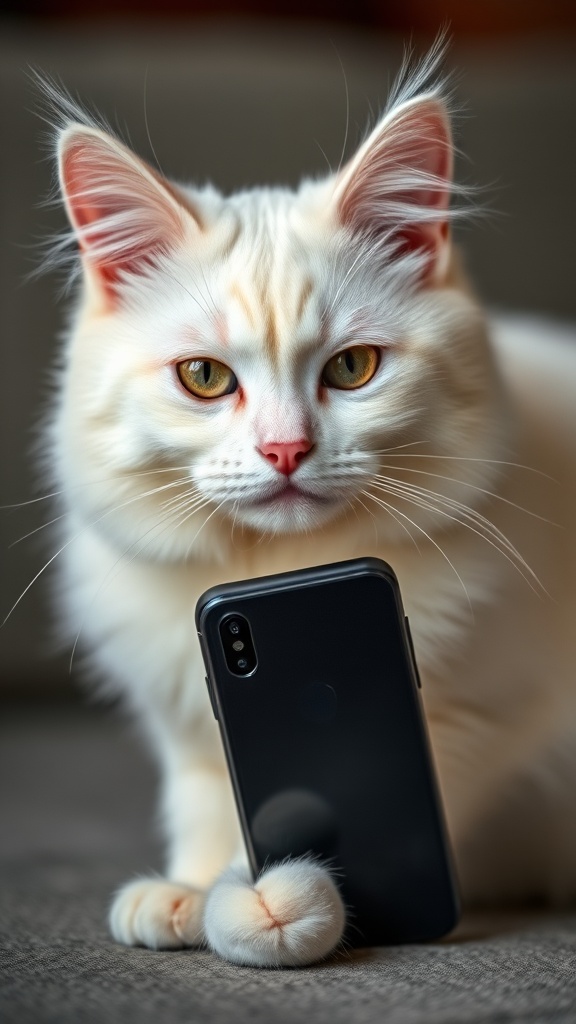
<point x="411" y="645"/>
<point x="211" y="695"/>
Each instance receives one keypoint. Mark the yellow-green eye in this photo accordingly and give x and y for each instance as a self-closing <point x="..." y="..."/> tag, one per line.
<point x="351" y="368"/>
<point x="206" y="378"/>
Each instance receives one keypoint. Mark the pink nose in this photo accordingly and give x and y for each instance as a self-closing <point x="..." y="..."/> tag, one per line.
<point x="285" y="456"/>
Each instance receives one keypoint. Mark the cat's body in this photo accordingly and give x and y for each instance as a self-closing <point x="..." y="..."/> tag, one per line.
<point x="296" y="463"/>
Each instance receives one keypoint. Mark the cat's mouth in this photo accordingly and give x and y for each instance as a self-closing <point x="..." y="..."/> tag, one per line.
<point x="289" y="495"/>
<point x="289" y="508"/>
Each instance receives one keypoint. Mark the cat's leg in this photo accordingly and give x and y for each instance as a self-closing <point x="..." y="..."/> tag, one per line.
<point x="292" y="915"/>
<point x="203" y="835"/>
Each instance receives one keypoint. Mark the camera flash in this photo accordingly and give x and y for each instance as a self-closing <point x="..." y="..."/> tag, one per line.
<point x="238" y="645"/>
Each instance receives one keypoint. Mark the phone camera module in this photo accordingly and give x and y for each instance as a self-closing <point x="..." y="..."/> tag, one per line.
<point x="238" y="645"/>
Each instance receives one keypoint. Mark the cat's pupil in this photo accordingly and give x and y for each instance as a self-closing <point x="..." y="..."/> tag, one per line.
<point x="349" y="360"/>
<point x="206" y="370"/>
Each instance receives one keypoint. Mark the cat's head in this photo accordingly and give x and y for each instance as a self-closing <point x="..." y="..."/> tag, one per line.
<point x="267" y="360"/>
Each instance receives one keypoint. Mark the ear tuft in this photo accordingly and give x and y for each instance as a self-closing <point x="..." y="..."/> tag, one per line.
<point x="123" y="215"/>
<point x="397" y="187"/>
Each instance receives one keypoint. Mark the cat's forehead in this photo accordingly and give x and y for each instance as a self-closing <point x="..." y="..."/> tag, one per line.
<point x="271" y="282"/>
<point x="276" y="316"/>
<point x="276" y="232"/>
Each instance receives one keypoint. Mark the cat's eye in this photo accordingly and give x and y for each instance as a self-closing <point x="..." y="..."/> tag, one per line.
<point x="351" y="368"/>
<point x="206" y="378"/>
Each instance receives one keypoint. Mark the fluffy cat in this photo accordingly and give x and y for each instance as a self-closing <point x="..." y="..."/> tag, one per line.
<point x="284" y="378"/>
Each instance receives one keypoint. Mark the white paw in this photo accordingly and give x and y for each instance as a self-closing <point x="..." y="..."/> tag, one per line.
<point x="293" y="915"/>
<point x="159" y="914"/>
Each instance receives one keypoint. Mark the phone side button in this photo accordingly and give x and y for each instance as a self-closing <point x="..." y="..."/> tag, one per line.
<point x="414" y="662"/>
<point x="211" y="695"/>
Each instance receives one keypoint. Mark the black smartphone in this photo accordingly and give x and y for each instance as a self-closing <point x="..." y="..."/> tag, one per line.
<point x="314" y="683"/>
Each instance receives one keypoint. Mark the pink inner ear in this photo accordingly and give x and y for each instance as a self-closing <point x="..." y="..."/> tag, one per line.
<point x="87" y="212"/>
<point x="400" y="185"/>
<point x="431" y="154"/>
<point x="122" y="216"/>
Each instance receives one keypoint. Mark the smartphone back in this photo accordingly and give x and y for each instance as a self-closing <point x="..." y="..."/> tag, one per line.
<point x="326" y="742"/>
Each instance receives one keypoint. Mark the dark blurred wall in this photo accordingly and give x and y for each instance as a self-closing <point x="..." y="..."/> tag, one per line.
<point x="477" y="17"/>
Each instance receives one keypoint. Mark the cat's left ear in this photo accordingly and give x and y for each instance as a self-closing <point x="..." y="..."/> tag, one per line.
<point x="397" y="186"/>
<point x="123" y="213"/>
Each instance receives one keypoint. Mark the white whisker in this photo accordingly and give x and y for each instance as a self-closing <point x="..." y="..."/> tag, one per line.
<point x="384" y="504"/>
<point x="362" y="257"/>
<point x="219" y="506"/>
<point x="467" y="512"/>
<point x="475" y="487"/>
<point x="172" y="518"/>
<point x="44" y="526"/>
<point x="88" y="526"/>
<point x="202" y="306"/>
<point x="397" y="447"/>
<point x="191" y="492"/>
<point x="392" y="513"/>
<point x="93" y="483"/>
<point x="430" y="501"/>
<point x="64" y="515"/>
<point x="466" y="458"/>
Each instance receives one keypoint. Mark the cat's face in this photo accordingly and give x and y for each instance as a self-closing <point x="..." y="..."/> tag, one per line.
<point x="256" y="362"/>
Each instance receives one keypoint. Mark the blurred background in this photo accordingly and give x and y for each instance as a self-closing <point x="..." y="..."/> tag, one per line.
<point x="242" y="94"/>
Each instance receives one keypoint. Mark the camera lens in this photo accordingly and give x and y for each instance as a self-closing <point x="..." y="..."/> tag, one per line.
<point x="234" y="627"/>
<point x="242" y="664"/>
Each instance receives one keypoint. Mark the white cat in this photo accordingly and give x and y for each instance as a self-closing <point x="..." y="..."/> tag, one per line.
<point x="278" y="379"/>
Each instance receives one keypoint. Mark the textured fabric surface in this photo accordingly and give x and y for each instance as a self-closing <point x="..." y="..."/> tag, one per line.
<point x="59" y="965"/>
<point x="74" y="801"/>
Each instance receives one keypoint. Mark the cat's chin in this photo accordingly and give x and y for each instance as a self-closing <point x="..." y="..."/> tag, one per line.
<point x="291" y="510"/>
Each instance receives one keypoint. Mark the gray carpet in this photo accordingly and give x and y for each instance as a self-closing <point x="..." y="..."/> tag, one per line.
<point x="75" y="818"/>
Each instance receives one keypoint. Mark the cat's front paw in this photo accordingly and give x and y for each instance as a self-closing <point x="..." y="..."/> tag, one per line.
<point x="159" y="914"/>
<point x="293" y="915"/>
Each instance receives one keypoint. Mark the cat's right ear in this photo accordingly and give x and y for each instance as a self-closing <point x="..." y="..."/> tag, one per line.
<point x="397" y="186"/>
<point x="123" y="214"/>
